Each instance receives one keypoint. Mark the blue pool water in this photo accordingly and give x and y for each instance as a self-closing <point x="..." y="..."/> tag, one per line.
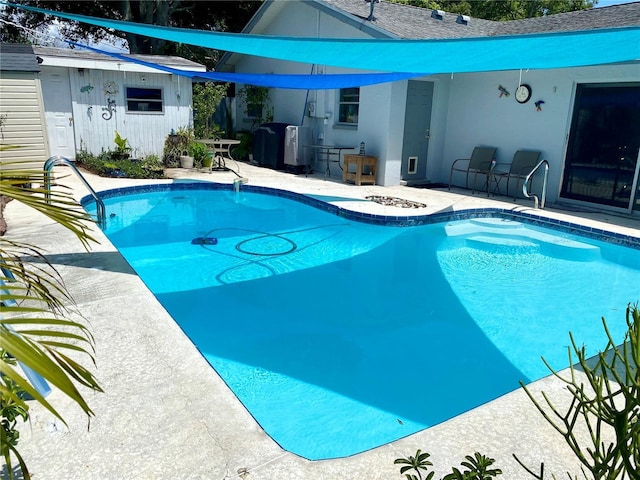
<point x="339" y="336"/>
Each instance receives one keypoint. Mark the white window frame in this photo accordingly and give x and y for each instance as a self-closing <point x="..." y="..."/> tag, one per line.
<point x="127" y="99"/>
<point x="343" y="117"/>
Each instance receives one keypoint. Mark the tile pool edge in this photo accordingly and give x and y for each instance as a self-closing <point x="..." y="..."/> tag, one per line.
<point x="387" y="220"/>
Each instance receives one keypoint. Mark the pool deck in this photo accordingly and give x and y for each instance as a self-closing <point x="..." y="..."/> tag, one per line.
<point x="165" y="413"/>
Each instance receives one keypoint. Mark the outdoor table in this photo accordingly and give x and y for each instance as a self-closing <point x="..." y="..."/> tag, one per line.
<point x="221" y="150"/>
<point x="331" y="153"/>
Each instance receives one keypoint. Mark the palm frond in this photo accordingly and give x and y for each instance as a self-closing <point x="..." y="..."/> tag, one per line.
<point x="58" y="204"/>
<point x="54" y="368"/>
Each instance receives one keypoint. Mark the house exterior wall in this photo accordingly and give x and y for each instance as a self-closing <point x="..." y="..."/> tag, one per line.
<point x="146" y="132"/>
<point x="466" y="109"/>
<point x="380" y="105"/>
<point x="478" y="116"/>
<point x="23" y="122"/>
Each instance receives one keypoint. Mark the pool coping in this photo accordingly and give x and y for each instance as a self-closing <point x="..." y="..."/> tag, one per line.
<point x="388" y="220"/>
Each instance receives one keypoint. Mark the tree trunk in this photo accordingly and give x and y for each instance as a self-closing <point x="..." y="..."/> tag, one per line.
<point x="152" y="12"/>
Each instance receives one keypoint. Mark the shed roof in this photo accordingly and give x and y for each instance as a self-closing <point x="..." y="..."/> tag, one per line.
<point x="16" y="57"/>
<point x="82" y="55"/>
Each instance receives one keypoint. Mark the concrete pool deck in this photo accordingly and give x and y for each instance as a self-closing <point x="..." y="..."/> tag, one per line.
<point x="165" y="414"/>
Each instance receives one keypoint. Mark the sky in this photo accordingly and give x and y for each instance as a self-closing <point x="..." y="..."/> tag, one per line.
<point x="606" y="3"/>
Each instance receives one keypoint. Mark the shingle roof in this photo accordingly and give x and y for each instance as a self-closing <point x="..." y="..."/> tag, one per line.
<point x="18" y="58"/>
<point x="624" y="15"/>
<point x="406" y="21"/>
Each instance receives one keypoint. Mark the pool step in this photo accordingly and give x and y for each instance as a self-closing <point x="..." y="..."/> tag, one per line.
<point x="495" y="232"/>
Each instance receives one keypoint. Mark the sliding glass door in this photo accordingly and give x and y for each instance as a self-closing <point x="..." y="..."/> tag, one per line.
<point x="602" y="156"/>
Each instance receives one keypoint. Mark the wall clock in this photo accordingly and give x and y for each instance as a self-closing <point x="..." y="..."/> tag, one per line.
<point x="523" y="93"/>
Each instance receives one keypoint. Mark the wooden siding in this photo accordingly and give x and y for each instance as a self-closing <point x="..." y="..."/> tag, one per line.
<point x="23" y="125"/>
<point x="146" y="132"/>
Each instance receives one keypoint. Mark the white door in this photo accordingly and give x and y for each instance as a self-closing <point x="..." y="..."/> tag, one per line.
<point x="56" y="92"/>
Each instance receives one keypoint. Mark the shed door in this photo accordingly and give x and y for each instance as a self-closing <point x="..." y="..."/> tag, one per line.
<point x="56" y="92"/>
<point x="417" y="122"/>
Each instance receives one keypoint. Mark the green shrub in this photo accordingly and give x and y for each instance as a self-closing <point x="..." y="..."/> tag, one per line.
<point x="122" y="145"/>
<point x="199" y="152"/>
<point x="107" y="166"/>
<point x="476" y="468"/>
<point x="206" y="99"/>
<point x="176" y="144"/>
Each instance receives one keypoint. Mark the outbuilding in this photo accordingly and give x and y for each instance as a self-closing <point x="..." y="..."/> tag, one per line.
<point x="57" y="101"/>
<point x="22" y="132"/>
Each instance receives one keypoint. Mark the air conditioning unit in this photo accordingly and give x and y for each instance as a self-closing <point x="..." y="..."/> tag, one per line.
<point x="297" y="154"/>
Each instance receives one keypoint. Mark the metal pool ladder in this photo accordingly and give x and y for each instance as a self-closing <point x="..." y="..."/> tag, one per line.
<point x="543" y="195"/>
<point x="58" y="160"/>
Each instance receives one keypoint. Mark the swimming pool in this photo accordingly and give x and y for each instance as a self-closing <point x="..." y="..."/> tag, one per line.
<point x="339" y="336"/>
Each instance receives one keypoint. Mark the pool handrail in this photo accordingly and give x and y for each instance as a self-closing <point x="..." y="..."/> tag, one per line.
<point x="60" y="160"/>
<point x="543" y="195"/>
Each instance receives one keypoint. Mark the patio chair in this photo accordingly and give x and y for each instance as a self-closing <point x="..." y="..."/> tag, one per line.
<point x="521" y="165"/>
<point x="479" y="163"/>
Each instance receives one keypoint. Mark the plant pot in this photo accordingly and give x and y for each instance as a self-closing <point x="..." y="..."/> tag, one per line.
<point x="207" y="161"/>
<point x="186" y="161"/>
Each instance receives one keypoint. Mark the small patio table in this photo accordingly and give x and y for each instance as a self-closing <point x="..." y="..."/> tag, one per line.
<point x="221" y="150"/>
<point x="331" y="153"/>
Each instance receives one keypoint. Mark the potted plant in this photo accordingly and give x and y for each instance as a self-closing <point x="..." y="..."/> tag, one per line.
<point x="186" y="161"/>
<point x="122" y="147"/>
<point x="199" y="153"/>
<point x="176" y="145"/>
<point x="208" y="160"/>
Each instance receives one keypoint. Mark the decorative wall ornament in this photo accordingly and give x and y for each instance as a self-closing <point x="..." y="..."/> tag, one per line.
<point x="109" y="109"/>
<point x="86" y="88"/>
<point x="503" y="91"/>
<point x="110" y="88"/>
<point x="538" y="105"/>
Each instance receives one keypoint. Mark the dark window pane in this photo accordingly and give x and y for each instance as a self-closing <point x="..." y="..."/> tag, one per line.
<point x="144" y="99"/>
<point x="348" y="113"/>
<point x="138" y="106"/>
<point x="350" y="95"/>
<point x="349" y="105"/>
<point x="144" y="93"/>
<point x="603" y="145"/>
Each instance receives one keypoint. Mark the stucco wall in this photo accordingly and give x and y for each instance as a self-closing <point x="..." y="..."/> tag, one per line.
<point x="466" y="111"/>
<point x="478" y="116"/>
<point x="380" y="105"/>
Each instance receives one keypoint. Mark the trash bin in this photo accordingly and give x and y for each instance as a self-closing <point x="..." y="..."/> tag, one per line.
<point x="268" y="145"/>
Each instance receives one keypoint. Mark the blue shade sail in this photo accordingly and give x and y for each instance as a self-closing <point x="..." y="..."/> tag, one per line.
<point x="537" y="51"/>
<point x="304" y="82"/>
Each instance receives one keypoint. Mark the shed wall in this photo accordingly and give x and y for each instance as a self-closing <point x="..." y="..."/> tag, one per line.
<point x="23" y="122"/>
<point x="145" y="131"/>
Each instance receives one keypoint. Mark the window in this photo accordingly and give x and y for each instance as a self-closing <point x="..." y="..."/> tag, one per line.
<point x="348" y="105"/>
<point x="144" y="100"/>
<point x="602" y="154"/>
